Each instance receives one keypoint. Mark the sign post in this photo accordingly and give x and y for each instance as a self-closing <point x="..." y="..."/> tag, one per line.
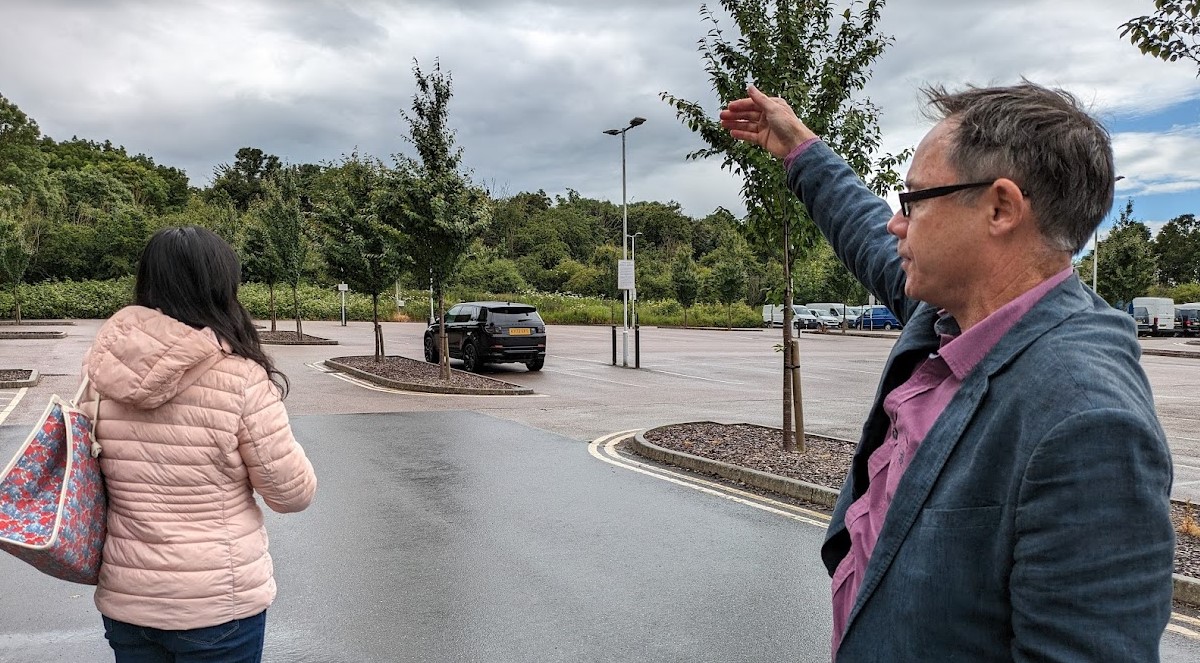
<point x="342" y="288"/>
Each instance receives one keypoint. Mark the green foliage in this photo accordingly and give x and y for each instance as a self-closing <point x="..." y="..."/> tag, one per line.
<point x="1126" y="260"/>
<point x="71" y="299"/>
<point x="22" y="163"/>
<point x="1177" y="251"/>
<point x="791" y="50"/>
<point x="1170" y="33"/>
<point x="283" y="227"/>
<point x="1185" y="293"/>
<point x="483" y="271"/>
<point x="219" y="216"/>
<point x="243" y="182"/>
<point x="685" y="282"/>
<point x="439" y="210"/>
<point x="362" y="246"/>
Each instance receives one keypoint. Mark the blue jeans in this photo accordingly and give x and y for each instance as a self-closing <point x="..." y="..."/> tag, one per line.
<point x="238" y="641"/>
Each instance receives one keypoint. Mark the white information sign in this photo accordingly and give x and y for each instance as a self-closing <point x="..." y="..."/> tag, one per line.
<point x="625" y="275"/>
<point x="342" y="287"/>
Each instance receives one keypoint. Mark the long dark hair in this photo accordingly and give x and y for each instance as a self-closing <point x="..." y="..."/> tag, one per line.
<point x="192" y="275"/>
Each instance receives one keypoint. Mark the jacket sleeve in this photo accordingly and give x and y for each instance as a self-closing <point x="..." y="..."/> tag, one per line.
<point x="1093" y="556"/>
<point x="854" y="220"/>
<point x="279" y="469"/>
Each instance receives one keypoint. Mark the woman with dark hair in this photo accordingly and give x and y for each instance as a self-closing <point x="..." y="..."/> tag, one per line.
<point x="191" y="424"/>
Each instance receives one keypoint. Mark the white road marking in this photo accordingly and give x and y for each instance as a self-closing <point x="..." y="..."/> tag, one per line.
<point x="589" y="377"/>
<point x="1188" y="619"/>
<point x="609" y="455"/>
<point x="691" y="377"/>
<point x="12" y="405"/>
<point x="1186" y="632"/>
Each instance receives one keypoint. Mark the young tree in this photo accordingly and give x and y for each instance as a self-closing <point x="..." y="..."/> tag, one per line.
<point x="1177" y="251"/>
<point x="728" y="283"/>
<point x="684" y="281"/>
<point x="1126" y="260"/>
<point x="1170" y="33"/>
<point x="283" y="222"/>
<point x="792" y="49"/>
<point x="20" y="233"/>
<point x="261" y="262"/>
<point x="360" y="245"/>
<point x="441" y="211"/>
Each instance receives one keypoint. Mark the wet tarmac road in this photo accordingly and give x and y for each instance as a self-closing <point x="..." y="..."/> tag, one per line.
<point x="444" y="534"/>
<point x="455" y="536"/>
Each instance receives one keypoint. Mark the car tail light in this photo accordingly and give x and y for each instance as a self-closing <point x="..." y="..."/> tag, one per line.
<point x="492" y="328"/>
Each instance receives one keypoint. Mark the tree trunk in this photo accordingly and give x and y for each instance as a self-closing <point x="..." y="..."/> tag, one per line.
<point x="789" y="443"/>
<point x="17" y="304"/>
<point x="271" y="287"/>
<point x="685" y="317"/>
<point x="444" y="365"/>
<point x="797" y="403"/>
<point x="379" y="354"/>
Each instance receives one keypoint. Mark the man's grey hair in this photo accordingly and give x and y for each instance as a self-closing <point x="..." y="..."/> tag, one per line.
<point x="1041" y="139"/>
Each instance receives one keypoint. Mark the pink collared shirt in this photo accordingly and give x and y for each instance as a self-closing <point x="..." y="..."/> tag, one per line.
<point x="913" y="407"/>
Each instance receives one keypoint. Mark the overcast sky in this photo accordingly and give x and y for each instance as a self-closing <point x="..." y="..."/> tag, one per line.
<point x="536" y="82"/>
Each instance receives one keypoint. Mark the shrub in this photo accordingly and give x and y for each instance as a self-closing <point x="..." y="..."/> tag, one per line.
<point x="100" y="299"/>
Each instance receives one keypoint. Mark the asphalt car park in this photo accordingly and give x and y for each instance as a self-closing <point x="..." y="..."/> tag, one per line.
<point x="507" y="482"/>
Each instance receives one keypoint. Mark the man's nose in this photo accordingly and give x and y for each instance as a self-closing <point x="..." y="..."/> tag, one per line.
<point x="898" y="225"/>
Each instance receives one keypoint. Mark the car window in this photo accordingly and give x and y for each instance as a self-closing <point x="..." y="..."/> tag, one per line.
<point x="465" y="314"/>
<point x="453" y="312"/>
<point x="515" y="315"/>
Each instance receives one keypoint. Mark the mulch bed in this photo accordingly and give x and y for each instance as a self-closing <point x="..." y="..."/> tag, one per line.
<point x="290" y="338"/>
<point x="403" y="369"/>
<point x="13" y="375"/>
<point x="826" y="463"/>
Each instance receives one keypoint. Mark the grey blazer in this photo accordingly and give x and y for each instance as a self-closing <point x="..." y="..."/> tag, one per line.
<point x="1033" y="523"/>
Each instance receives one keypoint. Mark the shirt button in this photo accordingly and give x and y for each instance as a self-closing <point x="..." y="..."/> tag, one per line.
<point x="895" y="434"/>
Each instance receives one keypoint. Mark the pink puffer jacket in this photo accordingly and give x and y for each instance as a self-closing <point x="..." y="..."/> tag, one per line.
<point x="188" y="434"/>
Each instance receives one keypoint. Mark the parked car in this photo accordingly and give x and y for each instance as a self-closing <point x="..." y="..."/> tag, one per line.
<point x="481" y="333"/>
<point x="877" y="317"/>
<point x="1141" y="318"/>
<point x="802" y="317"/>
<point x="1187" y="321"/>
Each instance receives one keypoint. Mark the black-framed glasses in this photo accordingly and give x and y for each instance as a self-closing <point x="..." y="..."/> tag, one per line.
<point x="910" y="197"/>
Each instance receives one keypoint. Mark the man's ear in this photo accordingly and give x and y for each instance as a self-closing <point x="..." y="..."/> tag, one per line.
<point x="1009" y="206"/>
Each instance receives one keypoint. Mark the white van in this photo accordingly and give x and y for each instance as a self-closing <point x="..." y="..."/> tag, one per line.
<point x="835" y="309"/>
<point x="1160" y="311"/>
<point x="802" y="317"/>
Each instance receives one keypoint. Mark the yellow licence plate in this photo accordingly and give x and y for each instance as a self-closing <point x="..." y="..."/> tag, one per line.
<point x="519" y="331"/>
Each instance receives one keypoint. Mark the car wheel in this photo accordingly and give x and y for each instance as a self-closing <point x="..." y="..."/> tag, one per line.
<point x="471" y="357"/>
<point x="535" y="364"/>
<point x="887" y="326"/>
<point x="431" y="353"/>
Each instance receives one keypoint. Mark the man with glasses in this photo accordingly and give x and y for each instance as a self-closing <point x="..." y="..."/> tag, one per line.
<point x="1009" y="499"/>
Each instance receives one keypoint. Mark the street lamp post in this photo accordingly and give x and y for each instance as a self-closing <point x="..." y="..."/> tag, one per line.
<point x="625" y="235"/>
<point x="633" y="259"/>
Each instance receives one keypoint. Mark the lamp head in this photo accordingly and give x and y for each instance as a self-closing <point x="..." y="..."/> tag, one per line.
<point x="612" y="132"/>
<point x="636" y="121"/>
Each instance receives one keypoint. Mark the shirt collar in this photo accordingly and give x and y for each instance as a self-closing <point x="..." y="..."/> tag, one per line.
<point x="962" y="351"/>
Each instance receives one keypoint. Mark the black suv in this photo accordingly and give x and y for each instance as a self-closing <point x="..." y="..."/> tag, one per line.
<point x="491" y="332"/>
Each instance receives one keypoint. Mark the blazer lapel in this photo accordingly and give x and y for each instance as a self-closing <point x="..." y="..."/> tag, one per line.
<point x="927" y="464"/>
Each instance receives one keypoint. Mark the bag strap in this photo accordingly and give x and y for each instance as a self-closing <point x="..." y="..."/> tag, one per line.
<point x="83" y="385"/>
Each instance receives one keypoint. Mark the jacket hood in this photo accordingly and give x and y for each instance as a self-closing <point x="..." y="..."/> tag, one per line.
<point x="144" y="358"/>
